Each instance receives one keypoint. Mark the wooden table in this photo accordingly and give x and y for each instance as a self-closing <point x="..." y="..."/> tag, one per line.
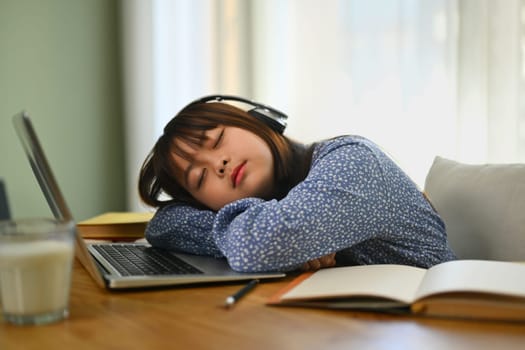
<point x="194" y="318"/>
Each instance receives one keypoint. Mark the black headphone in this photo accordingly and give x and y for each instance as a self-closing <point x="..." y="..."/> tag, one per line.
<point x="272" y="117"/>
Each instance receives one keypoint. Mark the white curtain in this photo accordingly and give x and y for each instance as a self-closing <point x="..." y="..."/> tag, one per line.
<point x="420" y="78"/>
<point x="491" y="45"/>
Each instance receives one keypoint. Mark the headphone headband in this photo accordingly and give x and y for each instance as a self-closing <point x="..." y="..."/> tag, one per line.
<point x="268" y="115"/>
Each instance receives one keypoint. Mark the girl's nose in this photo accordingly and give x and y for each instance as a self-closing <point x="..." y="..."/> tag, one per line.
<point x="222" y="166"/>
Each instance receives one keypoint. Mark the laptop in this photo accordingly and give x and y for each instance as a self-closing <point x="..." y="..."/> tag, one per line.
<point x="125" y="265"/>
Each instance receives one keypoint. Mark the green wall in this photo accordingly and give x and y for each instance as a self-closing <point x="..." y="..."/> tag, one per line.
<point x="59" y="61"/>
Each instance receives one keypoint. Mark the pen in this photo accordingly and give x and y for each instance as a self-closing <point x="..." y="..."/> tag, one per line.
<point x="232" y="299"/>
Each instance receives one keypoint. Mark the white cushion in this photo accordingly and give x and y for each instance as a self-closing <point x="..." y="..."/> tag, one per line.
<point x="483" y="207"/>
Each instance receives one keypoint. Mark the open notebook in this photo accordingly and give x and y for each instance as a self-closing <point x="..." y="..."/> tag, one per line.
<point x="124" y="265"/>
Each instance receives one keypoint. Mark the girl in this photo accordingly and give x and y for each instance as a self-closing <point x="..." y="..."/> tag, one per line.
<point x="228" y="184"/>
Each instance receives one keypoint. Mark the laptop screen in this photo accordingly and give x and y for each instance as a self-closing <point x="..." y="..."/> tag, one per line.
<point x="38" y="162"/>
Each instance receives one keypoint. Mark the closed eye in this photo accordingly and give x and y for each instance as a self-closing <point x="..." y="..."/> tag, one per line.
<point x="202" y="177"/>
<point x="216" y="143"/>
<point x="219" y="139"/>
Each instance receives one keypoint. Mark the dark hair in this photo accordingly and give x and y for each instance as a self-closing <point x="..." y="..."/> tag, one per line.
<point x="291" y="159"/>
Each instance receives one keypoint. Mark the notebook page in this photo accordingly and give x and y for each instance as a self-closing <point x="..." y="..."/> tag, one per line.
<point x="498" y="277"/>
<point x="396" y="282"/>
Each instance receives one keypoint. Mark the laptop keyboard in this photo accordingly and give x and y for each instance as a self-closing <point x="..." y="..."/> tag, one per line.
<point x="140" y="260"/>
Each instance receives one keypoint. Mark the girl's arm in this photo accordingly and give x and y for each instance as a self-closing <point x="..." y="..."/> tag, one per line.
<point x="183" y="228"/>
<point x="188" y="229"/>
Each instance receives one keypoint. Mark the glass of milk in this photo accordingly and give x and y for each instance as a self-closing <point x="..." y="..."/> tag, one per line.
<point x="36" y="257"/>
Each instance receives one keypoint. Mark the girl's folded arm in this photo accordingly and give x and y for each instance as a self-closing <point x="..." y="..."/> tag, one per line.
<point x="183" y="228"/>
<point x="270" y="236"/>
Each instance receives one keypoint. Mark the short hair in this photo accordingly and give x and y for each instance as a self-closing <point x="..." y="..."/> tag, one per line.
<point x="157" y="175"/>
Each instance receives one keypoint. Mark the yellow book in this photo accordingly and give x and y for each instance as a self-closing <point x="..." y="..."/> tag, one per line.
<point x="468" y="289"/>
<point x="115" y="226"/>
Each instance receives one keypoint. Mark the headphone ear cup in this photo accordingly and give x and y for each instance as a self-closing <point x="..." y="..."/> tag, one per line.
<point x="274" y="120"/>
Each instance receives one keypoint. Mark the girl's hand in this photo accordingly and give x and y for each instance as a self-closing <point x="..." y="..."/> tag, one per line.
<point x="319" y="263"/>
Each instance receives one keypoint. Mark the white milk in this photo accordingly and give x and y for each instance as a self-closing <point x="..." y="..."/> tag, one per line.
<point x="35" y="276"/>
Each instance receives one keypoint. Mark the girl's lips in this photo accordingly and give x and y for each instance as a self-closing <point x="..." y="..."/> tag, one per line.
<point x="237" y="174"/>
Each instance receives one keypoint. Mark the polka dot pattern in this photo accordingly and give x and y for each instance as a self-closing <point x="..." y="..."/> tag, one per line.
<point x="355" y="201"/>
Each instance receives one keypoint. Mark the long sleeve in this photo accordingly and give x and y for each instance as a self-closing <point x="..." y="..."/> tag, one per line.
<point x="183" y="228"/>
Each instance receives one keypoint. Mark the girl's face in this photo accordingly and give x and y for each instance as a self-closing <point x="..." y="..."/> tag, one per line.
<point x="229" y="164"/>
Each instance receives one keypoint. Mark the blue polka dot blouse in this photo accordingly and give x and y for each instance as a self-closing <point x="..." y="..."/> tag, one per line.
<point x="354" y="201"/>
